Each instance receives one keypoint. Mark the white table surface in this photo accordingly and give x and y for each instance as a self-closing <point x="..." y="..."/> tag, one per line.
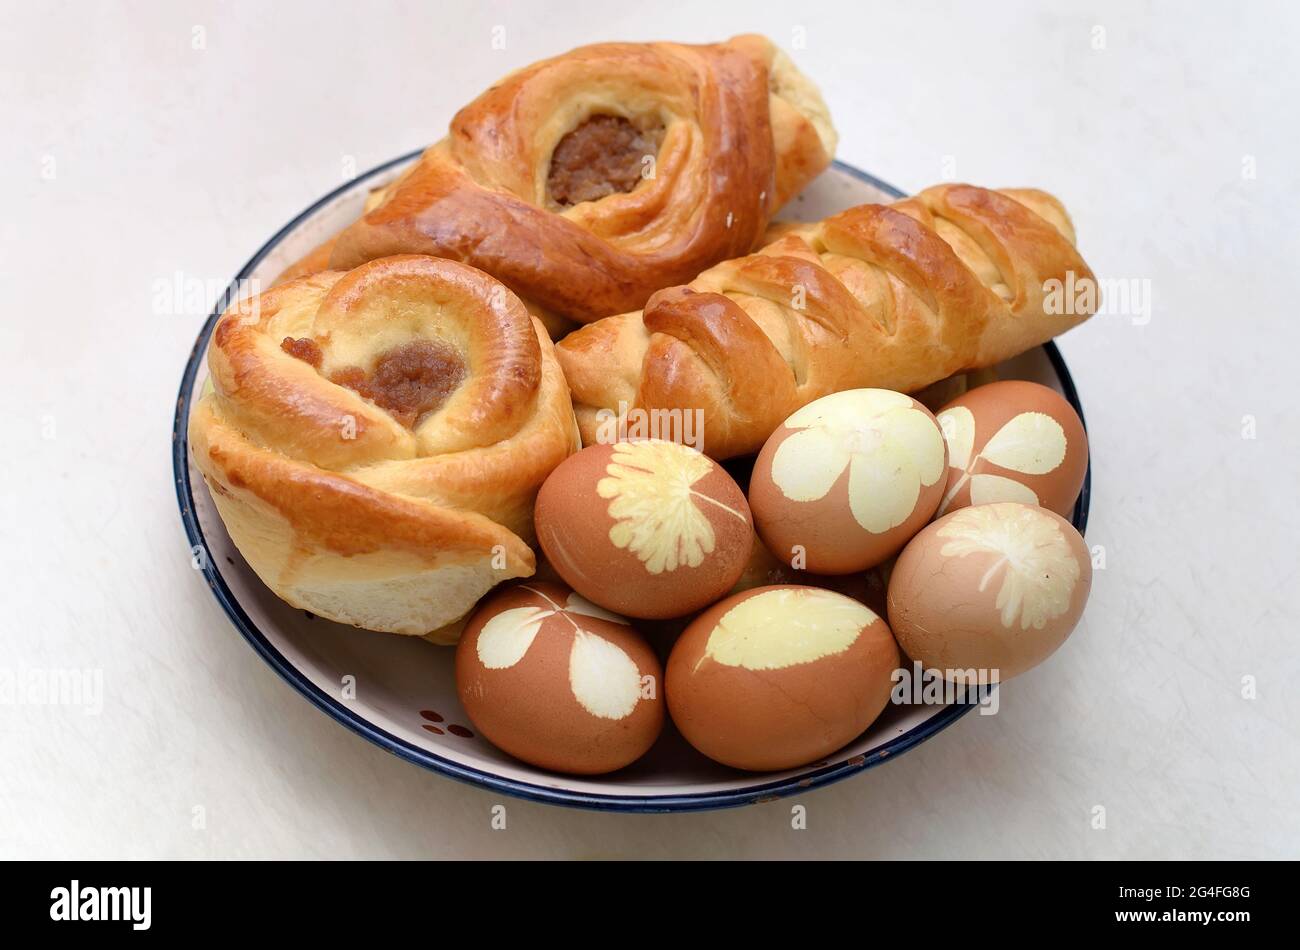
<point x="129" y="157"/>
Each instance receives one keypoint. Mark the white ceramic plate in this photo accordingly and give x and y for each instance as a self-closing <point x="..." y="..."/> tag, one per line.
<point x="405" y="692"/>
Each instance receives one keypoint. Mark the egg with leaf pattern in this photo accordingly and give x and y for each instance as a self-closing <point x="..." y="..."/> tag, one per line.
<point x="845" y="481"/>
<point x="994" y="588"/>
<point x="649" y="529"/>
<point x="558" y="682"/>
<point x="1013" y="441"/>
<point x="777" y="677"/>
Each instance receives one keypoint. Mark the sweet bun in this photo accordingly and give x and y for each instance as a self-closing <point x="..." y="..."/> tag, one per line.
<point x="374" y="440"/>
<point x="892" y="296"/>
<point x="590" y="180"/>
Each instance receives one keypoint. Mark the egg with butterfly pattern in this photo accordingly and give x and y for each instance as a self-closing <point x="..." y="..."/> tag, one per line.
<point x="1013" y="441"/>
<point x="554" y="680"/>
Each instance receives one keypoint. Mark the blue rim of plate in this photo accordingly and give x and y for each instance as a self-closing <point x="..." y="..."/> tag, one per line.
<point x="753" y="794"/>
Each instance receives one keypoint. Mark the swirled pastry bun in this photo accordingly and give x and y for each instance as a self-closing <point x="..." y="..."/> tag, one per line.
<point x="374" y="440"/>
<point x="590" y="180"/>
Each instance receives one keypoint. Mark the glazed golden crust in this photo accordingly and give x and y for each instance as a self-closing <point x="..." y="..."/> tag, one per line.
<point x="894" y="297"/>
<point x="340" y="507"/>
<point x="742" y="132"/>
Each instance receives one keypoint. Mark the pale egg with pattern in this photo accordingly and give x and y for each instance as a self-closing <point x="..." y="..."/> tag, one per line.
<point x="845" y="481"/>
<point x="780" y="676"/>
<point x="1013" y="441"/>
<point x="648" y="529"/>
<point x="558" y="682"/>
<point x="995" y="588"/>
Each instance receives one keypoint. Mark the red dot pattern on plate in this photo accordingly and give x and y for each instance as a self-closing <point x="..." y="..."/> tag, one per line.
<point x="454" y="729"/>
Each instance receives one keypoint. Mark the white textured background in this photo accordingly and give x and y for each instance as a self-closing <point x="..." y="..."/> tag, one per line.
<point x="127" y="156"/>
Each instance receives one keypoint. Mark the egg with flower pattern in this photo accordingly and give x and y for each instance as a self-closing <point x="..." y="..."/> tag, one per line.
<point x="1013" y="441"/>
<point x="650" y="529"/>
<point x="558" y="682"/>
<point x="845" y="481"/>
<point x="994" y="588"/>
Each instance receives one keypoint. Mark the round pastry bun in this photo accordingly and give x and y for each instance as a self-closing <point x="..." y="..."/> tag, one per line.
<point x="344" y="500"/>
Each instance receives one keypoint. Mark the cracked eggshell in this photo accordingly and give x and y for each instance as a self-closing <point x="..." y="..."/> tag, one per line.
<point x="848" y="479"/>
<point x="780" y="676"/>
<point x="993" y="587"/>
<point x="1013" y="441"/>
<point x="558" y="682"/>
<point x="649" y="529"/>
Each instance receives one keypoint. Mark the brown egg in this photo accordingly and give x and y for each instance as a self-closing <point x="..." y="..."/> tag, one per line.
<point x="992" y="587"/>
<point x="1013" y="441"/>
<point x="847" y="480"/>
<point x="648" y="529"/>
<point x="558" y="682"/>
<point x="780" y="676"/>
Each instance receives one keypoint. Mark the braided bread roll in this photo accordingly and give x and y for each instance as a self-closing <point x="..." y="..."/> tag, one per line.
<point x="888" y="296"/>
<point x="374" y="440"/>
<point x="588" y="181"/>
